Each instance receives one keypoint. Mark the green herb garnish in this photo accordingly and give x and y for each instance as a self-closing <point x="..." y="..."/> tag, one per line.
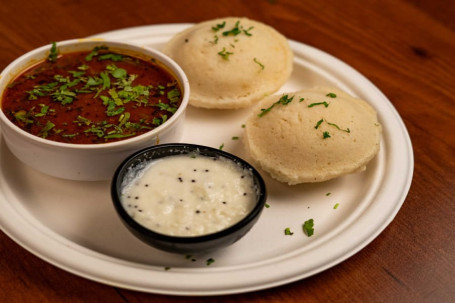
<point x="238" y="29"/>
<point x="247" y="31"/>
<point x="318" y="123"/>
<point x="235" y="31"/>
<point x="218" y="26"/>
<point x="23" y="116"/>
<point x="284" y="100"/>
<point x="44" y="132"/>
<point x="319" y="103"/>
<point x="53" y="53"/>
<point x="308" y="227"/>
<point x="325" y="135"/>
<point x="259" y="63"/>
<point x="110" y="56"/>
<point x="221" y="146"/>
<point x="331" y="95"/>
<point x="43" y="111"/>
<point x="347" y="130"/>
<point x="225" y="54"/>
<point x="336" y="206"/>
<point x="210" y="261"/>
<point x="95" y="52"/>
<point x="288" y="232"/>
<point x="235" y="138"/>
<point x="166" y="107"/>
<point x="174" y="95"/>
<point x="215" y="39"/>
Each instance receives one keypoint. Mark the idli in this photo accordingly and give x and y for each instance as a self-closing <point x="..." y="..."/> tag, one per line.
<point x="231" y="62"/>
<point x="312" y="135"/>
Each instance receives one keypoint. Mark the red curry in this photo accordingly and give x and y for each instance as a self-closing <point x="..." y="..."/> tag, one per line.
<point x="91" y="97"/>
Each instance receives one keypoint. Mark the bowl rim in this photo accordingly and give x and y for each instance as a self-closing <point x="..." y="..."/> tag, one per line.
<point x="162" y="59"/>
<point x="186" y="148"/>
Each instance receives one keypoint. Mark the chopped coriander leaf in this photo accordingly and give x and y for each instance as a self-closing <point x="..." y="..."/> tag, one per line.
<point x="157" y="121"/>
<point x="238" y="29"/>
<point x="106" y="80"/>
<point x="259" y="63"/>
<point x="225" y="54"/>
<point x="288" y="232"/>
<point x="119" y="73"/>
<point x="235" y="31"/>
<point x="166" y="107"/>
<point x="93" y="81"/>
<point x="318" y="123"/>
<point x="94" y="52"/>
<point x="77" y="74"/>
<point x="45" y="130"/>
<point x="117" y="136"/>
<point x="328" y="194"/>
<point x="114" y="95"/>
<point x="301" y="99"/>
<point x="173" y="95"/>
<point x="43" y="111"/>
<point x="319" y="103"/>
<point x="215" y="39"/>
<point x="41" y="90"/>
<point x="336" y="206"/>
<point x="247" y="31"/>
<point x="23" y="116"/>
<point x="218" y="26"/>
<point x="331" y="95"/>
<point x="325" y="135"/>
<point x="221" y="146"/>
<point x="243" y="125"/>
<point x="83" y="120"/>
<point x="63" y="95"/>
<point x="210" y="261"/>
<point x="308" y="227"/>
<point x="53" y="53"/>
<point x="235" y="138"/>
<point x="167" y="268"/>
<point x="98" y="131"/>
<point x="284" y="100"/>
<point x="83" y="67"/>
<point x="110" y="56"/>
<point x="266" y="205"/>
<point x="347" y="130"/>
<point x="69" y="135"/>
<point x="113" y="111"/>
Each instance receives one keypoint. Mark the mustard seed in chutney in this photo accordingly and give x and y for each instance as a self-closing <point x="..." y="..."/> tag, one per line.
<point x="91" y="97"/>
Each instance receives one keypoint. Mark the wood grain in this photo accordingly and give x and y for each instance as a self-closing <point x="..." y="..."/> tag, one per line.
<point x="407" y="48"/>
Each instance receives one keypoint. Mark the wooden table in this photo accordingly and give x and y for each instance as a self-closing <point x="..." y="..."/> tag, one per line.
<point x="407" y="48"/>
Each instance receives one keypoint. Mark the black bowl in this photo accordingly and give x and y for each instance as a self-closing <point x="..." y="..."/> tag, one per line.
<point x="183" y="244"/>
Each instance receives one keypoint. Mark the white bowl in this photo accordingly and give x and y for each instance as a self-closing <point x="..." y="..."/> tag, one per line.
<point x="88" y="162"/>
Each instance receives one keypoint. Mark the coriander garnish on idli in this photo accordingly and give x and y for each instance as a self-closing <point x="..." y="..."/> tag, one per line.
<point x="312" y="135"/>
<point x="231" y="62"/>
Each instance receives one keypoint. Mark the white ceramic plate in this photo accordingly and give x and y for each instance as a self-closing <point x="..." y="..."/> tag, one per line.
<point x="74" y="226"/>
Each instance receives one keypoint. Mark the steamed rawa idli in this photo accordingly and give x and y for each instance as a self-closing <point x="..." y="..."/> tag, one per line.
<point x="231" y="62"/>
<point x="312" y="135"/>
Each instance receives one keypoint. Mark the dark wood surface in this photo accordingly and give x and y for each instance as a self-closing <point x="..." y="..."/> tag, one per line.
<point x="407" y="48"/>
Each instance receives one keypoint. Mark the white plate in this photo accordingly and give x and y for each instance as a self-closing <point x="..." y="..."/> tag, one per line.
<point x="73" y="224"/>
